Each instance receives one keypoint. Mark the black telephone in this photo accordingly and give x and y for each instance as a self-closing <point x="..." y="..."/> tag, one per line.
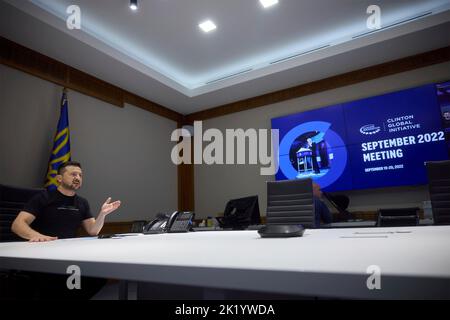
<point x="179" y="221"/>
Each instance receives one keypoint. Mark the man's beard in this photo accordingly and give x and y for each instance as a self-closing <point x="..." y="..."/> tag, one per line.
<point x="72" y="186"/>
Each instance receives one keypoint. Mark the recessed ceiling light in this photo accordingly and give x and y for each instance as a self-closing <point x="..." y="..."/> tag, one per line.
<point x="268" y="3"/>
<point x="207" y="26"/>
<point x="133" y="5"/>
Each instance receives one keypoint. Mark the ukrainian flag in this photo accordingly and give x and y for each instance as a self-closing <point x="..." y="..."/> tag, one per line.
<point x="61" y="145"/>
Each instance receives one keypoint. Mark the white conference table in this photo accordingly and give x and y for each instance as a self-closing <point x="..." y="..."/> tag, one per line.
<point x="367" y="224"/>
<point x="414" y="261"/>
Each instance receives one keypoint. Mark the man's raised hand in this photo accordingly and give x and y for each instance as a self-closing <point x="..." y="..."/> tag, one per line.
<point x="109" y="206"/>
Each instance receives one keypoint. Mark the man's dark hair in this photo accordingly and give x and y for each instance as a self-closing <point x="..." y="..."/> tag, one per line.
<point x="66" y="164"/>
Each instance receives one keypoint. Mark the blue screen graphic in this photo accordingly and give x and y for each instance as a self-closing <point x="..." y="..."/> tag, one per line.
<point x="370" y="143"/>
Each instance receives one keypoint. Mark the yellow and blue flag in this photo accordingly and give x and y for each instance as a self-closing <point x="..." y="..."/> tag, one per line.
<point x="61" y="145"/>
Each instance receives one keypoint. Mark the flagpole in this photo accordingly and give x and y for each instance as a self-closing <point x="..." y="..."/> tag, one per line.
<point x="61" y="144"/>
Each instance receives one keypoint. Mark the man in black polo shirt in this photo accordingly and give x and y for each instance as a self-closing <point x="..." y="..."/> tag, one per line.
<point x="52" y="215"/>
<point x="58" y="214"/>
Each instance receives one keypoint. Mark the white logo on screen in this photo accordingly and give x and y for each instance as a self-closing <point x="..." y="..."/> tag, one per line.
<point x="369" y="129"/>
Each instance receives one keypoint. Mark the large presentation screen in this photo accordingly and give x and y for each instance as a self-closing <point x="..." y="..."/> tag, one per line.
<point x="370" y="143"/>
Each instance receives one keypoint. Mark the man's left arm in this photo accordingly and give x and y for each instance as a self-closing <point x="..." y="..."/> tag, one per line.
<point x="92" y="225"/>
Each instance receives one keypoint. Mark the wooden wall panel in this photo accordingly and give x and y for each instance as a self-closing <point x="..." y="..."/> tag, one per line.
<point x="26" y="60"/>
<point x="39" y="65"/>
<point x="152" y="107"/>
<point x="94" y="87"/>
<point x="186" y="187"/>
<point x="382" y="70"/>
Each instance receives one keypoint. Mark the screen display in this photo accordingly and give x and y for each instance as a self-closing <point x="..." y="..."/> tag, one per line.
<point x="370" y="143"/>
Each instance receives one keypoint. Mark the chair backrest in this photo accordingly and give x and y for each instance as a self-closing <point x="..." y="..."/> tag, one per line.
<point x="12" y="200"/>
<point x="340" y="202"/>
<point x="398" y="217"/>
<point x="138" y="226"/>
<point x="290" y="202"/>
<point x="240" y="213"/>
<point x="439" y="187"/>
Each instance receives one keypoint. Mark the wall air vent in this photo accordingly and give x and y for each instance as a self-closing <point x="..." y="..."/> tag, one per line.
<point x="299" y="54"/>
<point x="229" y="76"/>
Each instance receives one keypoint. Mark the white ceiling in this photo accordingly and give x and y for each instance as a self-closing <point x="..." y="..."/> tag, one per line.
<point x="159" y="52"/>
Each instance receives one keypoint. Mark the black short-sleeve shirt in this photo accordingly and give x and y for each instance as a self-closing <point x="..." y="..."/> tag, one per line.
<point x="57" y="215"/>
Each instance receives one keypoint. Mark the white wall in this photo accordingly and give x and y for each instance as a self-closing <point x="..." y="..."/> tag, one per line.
<point x="216" y="184"/>
<point x="125" y="152"/>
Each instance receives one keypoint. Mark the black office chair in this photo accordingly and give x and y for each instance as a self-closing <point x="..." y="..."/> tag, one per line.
<point x="290" y="202"/>
<point x="240" y="213"/>
<point x="398" y="217"/>
<point x="16" y="284"/>
<point x="439" y="188"/>
<point x="12" y="200"/>
<point x="340" y="202"/>
<point x="138" y="226"/>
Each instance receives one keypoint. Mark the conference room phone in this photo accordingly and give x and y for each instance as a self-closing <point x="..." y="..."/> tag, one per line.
<point x="179" y="221"/>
